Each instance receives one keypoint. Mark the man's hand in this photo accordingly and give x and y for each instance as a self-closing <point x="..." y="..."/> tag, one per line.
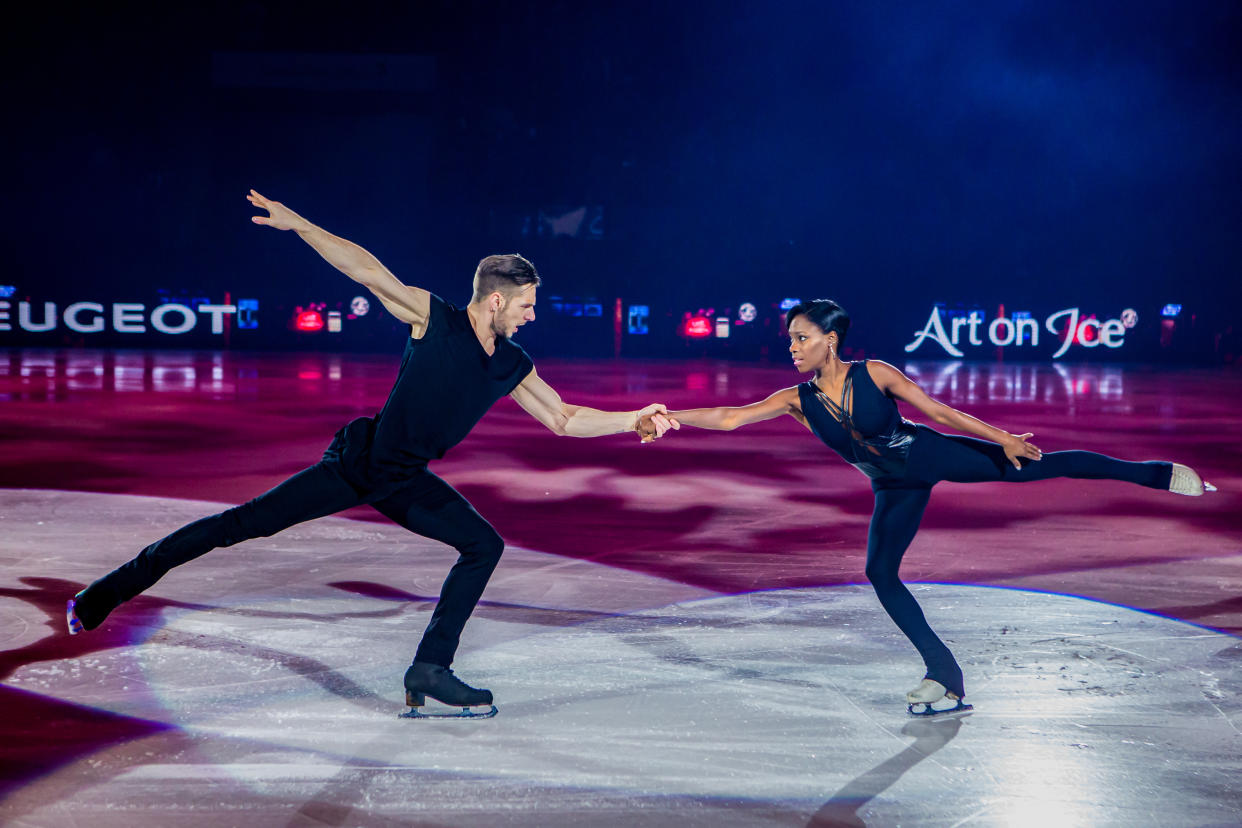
<point x="279" y="216"/>
<point x="653" y="421"/>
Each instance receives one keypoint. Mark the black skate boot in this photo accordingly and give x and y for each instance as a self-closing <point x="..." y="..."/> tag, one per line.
<point x="88" y="609"/>
<point x="424" y="679"/>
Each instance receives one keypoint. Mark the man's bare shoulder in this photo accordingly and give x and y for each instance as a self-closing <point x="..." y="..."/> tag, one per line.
<point x="417" y="304"/>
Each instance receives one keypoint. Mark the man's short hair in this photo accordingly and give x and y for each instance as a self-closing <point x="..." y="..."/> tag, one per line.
<point x="505" y="274"/>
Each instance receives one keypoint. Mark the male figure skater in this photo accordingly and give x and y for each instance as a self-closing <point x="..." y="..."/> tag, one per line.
<point x="457" y="363"/>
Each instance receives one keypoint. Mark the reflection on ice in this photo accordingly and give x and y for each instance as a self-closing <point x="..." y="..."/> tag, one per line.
<point x="51" y="372"/>
<point x="41" y="375"/>
<point x="965" y="382"/>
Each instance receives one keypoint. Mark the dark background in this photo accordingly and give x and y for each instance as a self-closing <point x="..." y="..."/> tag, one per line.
<point x="890" y="155"/>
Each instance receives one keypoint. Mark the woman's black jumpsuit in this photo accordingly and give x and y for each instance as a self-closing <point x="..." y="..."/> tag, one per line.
<point x="904" y="461"/>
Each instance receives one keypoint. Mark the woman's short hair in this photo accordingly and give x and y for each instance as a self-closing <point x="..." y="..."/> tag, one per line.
<point x="826" y="314"/>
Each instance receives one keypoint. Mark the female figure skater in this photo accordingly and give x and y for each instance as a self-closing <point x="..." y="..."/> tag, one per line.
<point x="852" y="407"/>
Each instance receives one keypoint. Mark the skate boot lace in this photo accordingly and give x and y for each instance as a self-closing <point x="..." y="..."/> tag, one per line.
<point x="451" y="678"/>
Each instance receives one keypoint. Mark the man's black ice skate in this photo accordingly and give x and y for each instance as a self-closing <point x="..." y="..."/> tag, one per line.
<point x="424" y="679"/>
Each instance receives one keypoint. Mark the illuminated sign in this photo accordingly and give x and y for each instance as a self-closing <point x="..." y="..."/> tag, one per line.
<point x="308" y="321"/>
<point x="698" y="327"/>
<point x="334" y="321"/>
<point x="1024" y="331"/>
<point x="638" y="318"/>
<point x="124" y="317"/>
<point x="247" y="314"/>
<point x="359" y="306"/>
<point x="7" y="291"/>
<point x="1088" y="332"/>
<point x="786" y="304"/>
<point x="748" y="312"/>
<point x="1085" y="334"/>
<point x="1170" y="311"/>
<point x="560" y="306"/>
<point x="1129" y="317"/>
<point x="722" y="327"/>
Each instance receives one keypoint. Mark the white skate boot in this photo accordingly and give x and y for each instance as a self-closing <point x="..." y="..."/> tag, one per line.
<point x="923" y="700"/>
<point x="1186" y="481"/>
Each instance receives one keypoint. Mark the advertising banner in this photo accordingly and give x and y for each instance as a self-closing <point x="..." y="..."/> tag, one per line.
<point x="959" y="333"/>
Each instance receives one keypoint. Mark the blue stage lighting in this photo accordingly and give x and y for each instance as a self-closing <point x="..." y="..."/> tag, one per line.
<point x="247" y="314"/>
<point x="638" y="318"/>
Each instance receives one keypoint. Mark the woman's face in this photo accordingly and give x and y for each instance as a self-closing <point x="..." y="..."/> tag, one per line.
<point x="808" y="345"/>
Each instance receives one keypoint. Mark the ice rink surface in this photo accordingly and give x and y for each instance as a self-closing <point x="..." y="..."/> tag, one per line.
<point x="261" y="686"/>
<point x="678" y="634"/>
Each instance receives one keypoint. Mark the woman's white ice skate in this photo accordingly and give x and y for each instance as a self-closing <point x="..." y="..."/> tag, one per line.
<point x="931" y="698"/>
<point x="1186" y="481"/>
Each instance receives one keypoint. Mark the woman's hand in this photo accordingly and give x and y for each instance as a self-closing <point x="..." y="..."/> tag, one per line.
<point x="652" y="422"/>
<point x="1017" y="446"/>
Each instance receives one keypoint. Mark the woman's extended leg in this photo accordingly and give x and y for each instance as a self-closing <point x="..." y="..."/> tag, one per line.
<point x="958" y="459"/>
<point x="893" y="526"/>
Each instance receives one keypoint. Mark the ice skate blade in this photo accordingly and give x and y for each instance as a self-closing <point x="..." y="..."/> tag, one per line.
<point x="923" y="710"/>
<point x="464" y="713"/>
<point x="71" y="617"/>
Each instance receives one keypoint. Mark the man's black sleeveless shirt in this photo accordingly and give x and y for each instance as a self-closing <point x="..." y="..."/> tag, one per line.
<point x="445" y="385"/>
<point x="864" y="426"/>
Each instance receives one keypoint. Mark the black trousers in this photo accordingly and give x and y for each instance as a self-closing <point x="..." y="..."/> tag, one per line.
<point x="899" y="506"/>
<point x="425" y="505"/>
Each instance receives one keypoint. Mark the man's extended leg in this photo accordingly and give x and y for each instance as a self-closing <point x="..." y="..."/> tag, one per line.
<point x="315" y="492"/>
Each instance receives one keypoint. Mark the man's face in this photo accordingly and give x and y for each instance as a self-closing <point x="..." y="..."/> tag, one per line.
<point x="517" y="310"/>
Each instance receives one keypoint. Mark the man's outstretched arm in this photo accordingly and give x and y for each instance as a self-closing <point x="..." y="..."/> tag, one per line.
<point x="409" y="304"/>
<point x="541" y="401"/>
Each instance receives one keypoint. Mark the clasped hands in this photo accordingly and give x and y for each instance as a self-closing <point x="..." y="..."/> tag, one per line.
<point x="1018" y="449"/>
<point x="653" y="422"/>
